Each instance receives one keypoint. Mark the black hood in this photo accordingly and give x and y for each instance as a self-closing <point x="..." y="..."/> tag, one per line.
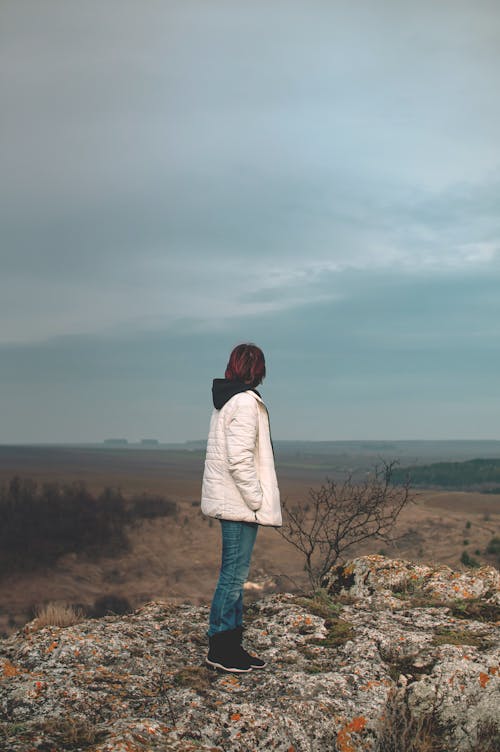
<point x="224" y="389"/>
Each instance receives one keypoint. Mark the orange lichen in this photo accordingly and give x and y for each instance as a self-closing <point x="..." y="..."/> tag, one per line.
<point x="9" y="670"/>
<point x="51" y="647"/>
<point x="370" y="684"/>
<point x="230" y="681"/>
<point x="483" y="679"/>
<point x="344" y="741"/>
<point x="357" y="724"/>
<point x="493" y="670"/>
<point x="235" y="716"/>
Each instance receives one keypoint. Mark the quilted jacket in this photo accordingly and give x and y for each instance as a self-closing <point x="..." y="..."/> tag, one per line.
<point x="239" y="479"/>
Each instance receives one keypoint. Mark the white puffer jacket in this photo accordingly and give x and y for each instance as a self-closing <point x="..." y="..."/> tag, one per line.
<point x="239" y="481"/>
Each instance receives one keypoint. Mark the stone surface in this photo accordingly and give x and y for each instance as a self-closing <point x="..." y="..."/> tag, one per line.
<point x="138" y="682"/>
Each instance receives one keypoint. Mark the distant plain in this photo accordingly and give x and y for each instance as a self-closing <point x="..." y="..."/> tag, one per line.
<point x="177" y="558"/>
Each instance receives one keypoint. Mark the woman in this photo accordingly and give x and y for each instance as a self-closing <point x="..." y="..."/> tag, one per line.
<point x="239" y="489"/>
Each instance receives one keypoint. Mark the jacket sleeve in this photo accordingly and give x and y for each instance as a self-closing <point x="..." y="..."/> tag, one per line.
<point x="241" y="438"/>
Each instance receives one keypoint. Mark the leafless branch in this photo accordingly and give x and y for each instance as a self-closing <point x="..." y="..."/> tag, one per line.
<point x="340" y="515"/>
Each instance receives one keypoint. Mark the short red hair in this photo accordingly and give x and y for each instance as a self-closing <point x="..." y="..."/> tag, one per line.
<point x="246" y="364"/>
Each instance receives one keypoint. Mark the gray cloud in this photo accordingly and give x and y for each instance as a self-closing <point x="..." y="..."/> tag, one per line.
<point x="384" y="360"/>
<point x="216" y="173"/>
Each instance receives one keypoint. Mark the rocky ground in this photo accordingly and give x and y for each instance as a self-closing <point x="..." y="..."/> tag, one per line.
<point x="390" y="656"/>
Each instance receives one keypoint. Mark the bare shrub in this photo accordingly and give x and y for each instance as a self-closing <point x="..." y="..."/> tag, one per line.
<point x="40" y="524"/>
<point x="56" y="615"/>
<point x="493" y="548"/>
<point x="149" y="506"/>
<point x="339" y="515"/>
<point x="469" y="561"/>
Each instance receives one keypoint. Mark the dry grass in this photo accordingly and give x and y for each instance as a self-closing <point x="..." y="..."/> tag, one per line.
<point x="401" y="730"/>
<point x="196" y="678"/>
<point x="478" y="609"/>
<point x="71" y="733"/>
<point x="320" y="603"/>
<point x="68" y="733"/>
<point x="449" y="636"/>
<point x="56" y="615"/>
<point x="488" y="737"/>
<point x="338" y="631"/>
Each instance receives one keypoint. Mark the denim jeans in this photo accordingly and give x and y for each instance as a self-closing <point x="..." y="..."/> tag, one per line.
<point x="227" y="604"/>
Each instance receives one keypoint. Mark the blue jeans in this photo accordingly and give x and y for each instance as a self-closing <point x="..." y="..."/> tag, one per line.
<point x="227" y="604"/>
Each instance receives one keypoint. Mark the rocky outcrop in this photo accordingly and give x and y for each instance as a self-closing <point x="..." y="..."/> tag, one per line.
<point x="374" y="666"/>
<point x="381" y="577"/>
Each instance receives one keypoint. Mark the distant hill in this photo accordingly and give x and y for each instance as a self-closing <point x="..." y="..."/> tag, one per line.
<point x="477" y="474"/>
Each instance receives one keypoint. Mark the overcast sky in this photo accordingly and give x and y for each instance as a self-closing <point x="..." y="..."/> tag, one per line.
<point x="319" y="177"/>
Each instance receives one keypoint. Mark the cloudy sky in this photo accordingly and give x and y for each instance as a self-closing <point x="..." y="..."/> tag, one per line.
<point x="320" y="177"/>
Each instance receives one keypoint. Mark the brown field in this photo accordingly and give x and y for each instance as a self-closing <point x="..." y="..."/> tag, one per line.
<point x="178" y="558"/>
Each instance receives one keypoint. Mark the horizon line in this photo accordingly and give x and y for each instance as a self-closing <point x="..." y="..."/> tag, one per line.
<point x="152" y="443"/>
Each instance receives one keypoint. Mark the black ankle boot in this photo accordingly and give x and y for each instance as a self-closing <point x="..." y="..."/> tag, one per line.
<point x="254" y="661"/>
<point x="225" y="653"/>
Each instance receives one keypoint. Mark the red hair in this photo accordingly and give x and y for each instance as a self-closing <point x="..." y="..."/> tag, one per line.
<point x="246" y="364"/>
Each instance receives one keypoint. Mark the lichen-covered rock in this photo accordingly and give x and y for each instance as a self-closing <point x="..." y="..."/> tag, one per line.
<point x="377" y="575"/>
<point x="454" y="691"/>
<point x="138" y="682"/>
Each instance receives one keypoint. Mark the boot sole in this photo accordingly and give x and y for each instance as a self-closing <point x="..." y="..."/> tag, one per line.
<point x="258" y="667"/>
<point x="229" y="669"/>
